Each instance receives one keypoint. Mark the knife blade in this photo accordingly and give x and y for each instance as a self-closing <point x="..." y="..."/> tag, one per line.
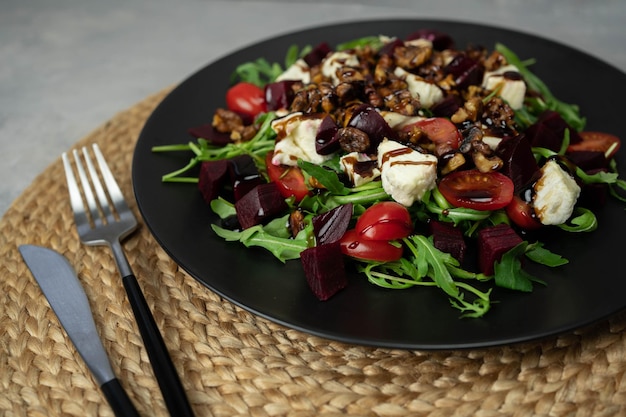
<point x="58" y="281"/>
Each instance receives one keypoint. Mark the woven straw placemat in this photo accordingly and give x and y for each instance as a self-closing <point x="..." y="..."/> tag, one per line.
<point x="233" y="363"/>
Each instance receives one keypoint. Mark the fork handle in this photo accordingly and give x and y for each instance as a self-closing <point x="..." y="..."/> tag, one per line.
<point x="162" y="366"/>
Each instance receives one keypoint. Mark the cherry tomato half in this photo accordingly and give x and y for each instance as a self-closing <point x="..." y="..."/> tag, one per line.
<point x="386" y="220"/>
<point x="290" y="180"/>
<point x="442" y="132"/>
<point x="477" y="190"/>
<point x="597" y="141"/>
<point x="246" y="98"/>
<point x="521" y="213"/>
<point x="372" y="250"/>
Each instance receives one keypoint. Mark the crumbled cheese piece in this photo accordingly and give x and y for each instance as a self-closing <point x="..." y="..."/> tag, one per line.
<point x="428" y="93"/>
<point x="336" y="60"/>
<point x="296" y="140"/>
<point x="492" y="141"/>
<point x="406" y="174"/>
<point x="298" y="71"/>
<point x="512" y="91"/>
<point x="556" y="193"/>
<point x="352" y="164"/>
<point x="398" y="120"/>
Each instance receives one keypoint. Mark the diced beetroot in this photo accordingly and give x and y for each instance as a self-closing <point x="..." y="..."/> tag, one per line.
<point x="278" y="95"/>
<point x="368" y="120"/>
<point x="329" y="227"/>
<point x="326" y="140"/>
<point x="439" y="39"/>
<point x="448" y="238"/>
<point x="448" y="106"/>
<point x="519" y="162"/>
<point x="324" y="268"/>
<point x="465" y="71"/>
<point x="587" y="160"/>
<point x="493" y="242"/>
<point x="208" y="132"/>
<point x="317" y="54"/>
<point x="244" y="175"/>
<point x="212" y="177"/>
<point x="262" y="203"/>
<point x="548" y="131"/>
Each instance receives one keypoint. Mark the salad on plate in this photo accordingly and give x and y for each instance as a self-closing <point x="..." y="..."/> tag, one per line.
<point x="412" y="161"/>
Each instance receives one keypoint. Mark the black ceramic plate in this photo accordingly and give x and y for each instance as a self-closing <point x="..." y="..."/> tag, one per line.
<point x="589" y="288"/>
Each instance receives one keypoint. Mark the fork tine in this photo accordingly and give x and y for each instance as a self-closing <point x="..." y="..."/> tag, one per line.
<point x="114" y="190"/>
<point x="76" y="201"/>
<point x="87" y="191"/>
<point x="97" y="186"/>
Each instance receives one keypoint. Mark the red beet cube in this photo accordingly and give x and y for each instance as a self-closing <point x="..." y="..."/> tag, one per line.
<point x="449" y="239"/>
<point x="493" y="242"/>
<point x="211" y="180"/>
<point x="324" y="269"/>
<point x="259" y="205"/>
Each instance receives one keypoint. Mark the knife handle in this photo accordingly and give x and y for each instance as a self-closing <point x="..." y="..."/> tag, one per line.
<point x="162" y="366"/>
<point x="118" y="399"/>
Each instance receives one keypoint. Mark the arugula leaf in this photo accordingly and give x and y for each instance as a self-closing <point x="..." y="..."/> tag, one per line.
<point x="279" y="244"/>
<point x="584" y="221"/>
<point x="327" y="178"/>
<point x="537" y="253"/>
<point x="508" y="272"/>
<point x="223" y="208"/>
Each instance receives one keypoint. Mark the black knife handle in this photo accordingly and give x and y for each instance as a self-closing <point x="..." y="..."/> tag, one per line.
<point x="118" y="399"/>
<point x="164" y="370"/>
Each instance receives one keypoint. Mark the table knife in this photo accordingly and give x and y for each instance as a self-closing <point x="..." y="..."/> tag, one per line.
<point x="68" y="300"/>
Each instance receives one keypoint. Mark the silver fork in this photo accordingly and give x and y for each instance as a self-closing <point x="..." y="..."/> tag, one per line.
<point x="102" y="217"/>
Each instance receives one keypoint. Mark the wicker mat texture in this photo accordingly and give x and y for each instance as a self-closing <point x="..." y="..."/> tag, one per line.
<point x="233" y="363"/>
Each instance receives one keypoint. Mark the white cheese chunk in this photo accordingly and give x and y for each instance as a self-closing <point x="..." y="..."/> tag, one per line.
<point x="296" y="140"/>
<point x="398" y="120"/>
<point x="556" y="193"/>
<point x="351" y="164"/>
<point x="428" y="93"/>
<point x="512" y="91"/>
<point x="298" y="71"/>
<point x="492" y="141"/>
<point x="336" y="60"/>
<point x="406" y="174"/>
<point x="419" y="42"/>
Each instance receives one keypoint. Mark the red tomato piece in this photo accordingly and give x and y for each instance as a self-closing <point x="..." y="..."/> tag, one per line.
<point x="246" y="98"/>
<point x="477" y="190"/>
<point x="372" y="250"/>
<point x="290" y="180"/>
<point x="441" y="131"/>
<point x="597" y="141"/>
<point x="386" y="220"/>
<point x="521" y="213"/>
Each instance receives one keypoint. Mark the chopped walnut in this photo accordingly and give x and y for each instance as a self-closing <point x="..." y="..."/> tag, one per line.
<point x="226" y="121"/>
<point x="353" y="140"/>
<point x="384" y="67"/>
<point x="412" y="56"/>
<point x="470" y="111"/>
<point x="348" y="74"/>
<point x="296" y="222"/>
<point x="483" y="156"/>
<point x="453" y="163"/>
<point x="486" y="163"/>
<point x="403" y="102"/>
